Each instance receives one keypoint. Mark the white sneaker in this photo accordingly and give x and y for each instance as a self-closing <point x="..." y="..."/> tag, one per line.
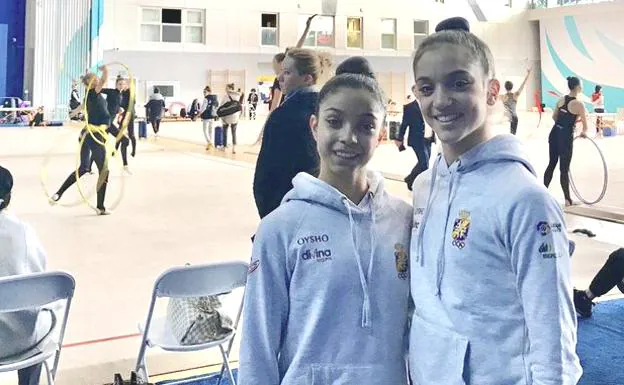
<point x="127" y="170"/>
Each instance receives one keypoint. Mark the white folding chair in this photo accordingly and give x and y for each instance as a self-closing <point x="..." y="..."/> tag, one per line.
<point x="184" y="282"/>
<point x="31" y="292"/>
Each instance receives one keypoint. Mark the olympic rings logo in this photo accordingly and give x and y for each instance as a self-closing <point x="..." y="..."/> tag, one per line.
<point x="459" y="244"/>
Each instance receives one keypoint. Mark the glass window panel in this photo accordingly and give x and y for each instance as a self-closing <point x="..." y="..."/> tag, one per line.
<point x="150" y="32"/>
<point x="172" y="16"/>
<point x="269" y="36"/>
<point x="172" y="33"/>
<point x="194" y="17"/>
<point x="151" y="15"/>
<point x="388" y="41"/>
<point x="388" y="26"/>
<point x="194" y="34"/>
<point x="421" y="26"/>
<point x="268" y="20"/>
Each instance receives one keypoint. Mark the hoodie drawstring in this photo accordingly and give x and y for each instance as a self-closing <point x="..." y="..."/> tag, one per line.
<point x="441" y="263"/>
<point x="420" y="251"/>
<point x="366" y="306"/>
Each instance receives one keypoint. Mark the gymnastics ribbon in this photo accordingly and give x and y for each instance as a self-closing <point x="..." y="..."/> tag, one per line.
<point x="538" y="104"/>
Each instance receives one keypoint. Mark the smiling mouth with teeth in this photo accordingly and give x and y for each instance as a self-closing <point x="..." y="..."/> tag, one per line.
<point x="447" y="118"/>
<point x="346" y="155"/>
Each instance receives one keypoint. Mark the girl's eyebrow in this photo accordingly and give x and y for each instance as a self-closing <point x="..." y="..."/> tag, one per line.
<point x="454" y="73"/>
<point x="334" y="109"/>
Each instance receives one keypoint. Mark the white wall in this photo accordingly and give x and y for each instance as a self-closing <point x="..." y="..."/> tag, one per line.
<point x="233" y="37"/>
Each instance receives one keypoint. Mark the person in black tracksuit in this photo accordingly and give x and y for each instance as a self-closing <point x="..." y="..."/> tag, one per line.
<point x="413" y="118"/>
<point x="288" y="146"/>
<point x="154" y="110"/>
<point x="92" y="146"/>
<point x="560" y="140"/>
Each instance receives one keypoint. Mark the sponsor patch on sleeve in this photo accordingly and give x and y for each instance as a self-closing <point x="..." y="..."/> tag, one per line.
<point x="545" y="228"/>
<point x="548" y="251"/>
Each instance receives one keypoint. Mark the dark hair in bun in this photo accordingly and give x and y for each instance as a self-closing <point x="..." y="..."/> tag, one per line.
<point x="456" y="31"/>
<point x="354" y="73"/>
<point x="453" y="24"/>
<point x="573" y="82"/>
<point x="356" y="65"/>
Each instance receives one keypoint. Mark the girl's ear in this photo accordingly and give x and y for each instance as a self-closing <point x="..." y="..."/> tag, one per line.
<point x="493" y="91"/>
<point x="314" y="126"/>
<point x="308" y="79"/>
<point x="383" y="125"/>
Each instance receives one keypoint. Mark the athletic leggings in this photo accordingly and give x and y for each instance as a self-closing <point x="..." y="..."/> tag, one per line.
<point x="513" y="122"/>
<point x="123" y="142"/>
<point x="91" y="149"/>
<point x="131" y="135"/>
<point x="611" y="273"/>
<point x="156" y="125"/>
<point x="560" y="150"/>
<point x="225" y="133"/>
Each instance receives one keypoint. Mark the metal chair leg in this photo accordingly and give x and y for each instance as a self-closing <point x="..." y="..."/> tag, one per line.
<point x="48" y="373"/>
<point x="226" y="363"/>
<point x="141" y="367"/>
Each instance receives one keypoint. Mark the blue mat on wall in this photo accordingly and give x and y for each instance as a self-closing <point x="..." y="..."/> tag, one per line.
<point x="600" y="348"/>
<point x="601" y="345"/>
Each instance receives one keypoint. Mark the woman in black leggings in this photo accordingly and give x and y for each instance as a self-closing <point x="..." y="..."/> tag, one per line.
<point x="92" y="145"/>
<point x="561" y="136"/>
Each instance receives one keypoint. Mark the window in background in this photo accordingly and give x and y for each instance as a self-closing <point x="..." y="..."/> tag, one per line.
<point x="388" y="33"/>
<point x="194" y="26"/>
<point x="172" y="25"/>
<point x="321" y="31"/>
<point x="150" y="25"/>
<point x="421" y="31"/>
<point x="166" y="91"/>
<point x="354" y="32"/>
<point x="167" y="25"/>
<point x="269" y="29"/>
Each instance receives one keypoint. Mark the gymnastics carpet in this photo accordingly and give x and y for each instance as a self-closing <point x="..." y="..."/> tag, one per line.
<point x="600" y="348"/>
<point x="205" y="379"/>
<point x="601" y="344"/>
